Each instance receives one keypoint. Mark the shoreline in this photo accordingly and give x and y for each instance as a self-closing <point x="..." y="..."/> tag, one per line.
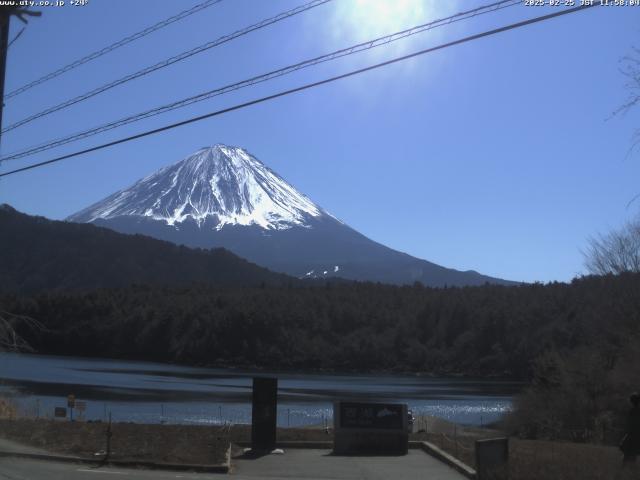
<point x="293" y="370"/>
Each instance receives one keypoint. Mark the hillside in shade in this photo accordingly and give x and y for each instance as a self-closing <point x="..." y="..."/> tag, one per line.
<point x="41" y="254"/>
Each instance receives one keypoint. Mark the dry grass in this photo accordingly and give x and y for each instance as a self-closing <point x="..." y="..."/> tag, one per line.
<point x="529" y="459"/>
<point x="7" y="409"/>
<point x="535" y="459"/>
<point x="158" y="443"/>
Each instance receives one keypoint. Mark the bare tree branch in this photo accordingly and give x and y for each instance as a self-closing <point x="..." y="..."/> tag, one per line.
<point x="630" y="68"/>
<point x="9" y="338"/>
<point x="615" y="252"/>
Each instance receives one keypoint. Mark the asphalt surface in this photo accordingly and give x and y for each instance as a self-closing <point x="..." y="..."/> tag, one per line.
<point x="26" y="469"/>
<point x="303" y="464"/>
<point x="311" y="464"/>
<point x="10" y="446"/>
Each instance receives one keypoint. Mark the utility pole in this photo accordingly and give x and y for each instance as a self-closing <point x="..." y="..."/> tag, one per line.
<point x="5" y="18"/>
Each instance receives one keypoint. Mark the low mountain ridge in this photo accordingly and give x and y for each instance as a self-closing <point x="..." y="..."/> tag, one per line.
<point x="41" y="254"/>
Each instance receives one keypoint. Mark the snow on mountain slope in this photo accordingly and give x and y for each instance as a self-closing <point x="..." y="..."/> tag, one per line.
<point x="220" y="182"/>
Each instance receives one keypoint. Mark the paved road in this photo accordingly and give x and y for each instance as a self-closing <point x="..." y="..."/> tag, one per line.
<point x="25" y="469"/>
<point x="304" y="464"/>
<point x="10" y="446"/>
<point x="310" y="464"/>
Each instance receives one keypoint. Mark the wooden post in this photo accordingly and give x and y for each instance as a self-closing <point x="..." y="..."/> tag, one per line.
<point x="5" y="18"/>
<point x="109" y="434"/>
<point x="455" y="438"/>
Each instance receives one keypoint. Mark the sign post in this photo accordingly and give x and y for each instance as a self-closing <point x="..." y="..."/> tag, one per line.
<point x="492" y="458"/>
<point x="264" y="414"/>
<point x="71" y="402"/>
<point x="81" y="406"/>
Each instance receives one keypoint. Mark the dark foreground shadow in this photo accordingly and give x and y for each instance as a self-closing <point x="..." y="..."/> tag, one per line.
<point x="251" y="455"/>
<point x="364" y="454"/>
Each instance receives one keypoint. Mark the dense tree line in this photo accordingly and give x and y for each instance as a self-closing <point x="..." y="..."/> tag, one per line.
<point x="488" y="330"/>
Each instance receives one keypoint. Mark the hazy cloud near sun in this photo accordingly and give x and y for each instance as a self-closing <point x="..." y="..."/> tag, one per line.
<point x="361" y="20"/>
<point x="349" y="22"/>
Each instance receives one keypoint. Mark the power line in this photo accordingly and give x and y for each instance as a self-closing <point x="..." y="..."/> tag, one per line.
<point x="169" y="61"/>
<point x="380" y="41"/>
<point x="470" y="38"/>
<point x="17" y="36"/>
<point x="113" y="46"/>
<point x="264" y="77"/>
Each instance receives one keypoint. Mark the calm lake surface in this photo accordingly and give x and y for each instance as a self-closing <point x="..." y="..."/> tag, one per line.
<point x="155" y="392"/>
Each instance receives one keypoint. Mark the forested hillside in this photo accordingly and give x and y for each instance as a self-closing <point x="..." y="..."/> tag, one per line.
<point x="474" y="330"/>
<point x="40" y="254"/>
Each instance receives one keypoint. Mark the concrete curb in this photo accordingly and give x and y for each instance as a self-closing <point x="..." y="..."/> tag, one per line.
<point x="221" y="468"/>
<point x="318" y="444"/>
<point x="443" y="456"/>
<point x="228" y="462"/>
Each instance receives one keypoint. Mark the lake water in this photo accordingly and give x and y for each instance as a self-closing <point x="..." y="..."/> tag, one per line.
<point x="156" y="392"/>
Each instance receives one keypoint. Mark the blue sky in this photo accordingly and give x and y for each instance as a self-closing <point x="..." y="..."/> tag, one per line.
<point x="498" y="155"/>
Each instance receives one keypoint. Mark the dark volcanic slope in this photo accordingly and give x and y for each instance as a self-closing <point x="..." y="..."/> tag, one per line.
<point x="325" y="248"/>
<point x="36" y="254"/>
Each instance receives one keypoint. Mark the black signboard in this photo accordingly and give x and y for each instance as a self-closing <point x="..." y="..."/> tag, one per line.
<point x="264" y="413"/>
<point x="371" y="415"/>
<point x="492" y="458"/>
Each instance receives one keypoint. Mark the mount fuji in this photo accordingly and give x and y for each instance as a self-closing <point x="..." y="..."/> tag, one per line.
<point x="222" y="196"/>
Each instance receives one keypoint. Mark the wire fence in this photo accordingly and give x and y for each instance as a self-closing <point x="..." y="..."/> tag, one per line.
<point x="288" y="416"/>
<point x="110" y="436"/>
<point x="584" y="454"/>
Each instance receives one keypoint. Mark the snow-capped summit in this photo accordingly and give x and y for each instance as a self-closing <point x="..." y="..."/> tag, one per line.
<point x="221" y="185"/>
<point x="222" y="196"/>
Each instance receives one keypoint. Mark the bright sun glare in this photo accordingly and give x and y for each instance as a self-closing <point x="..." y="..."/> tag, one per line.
<point x="369" y="18"/>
